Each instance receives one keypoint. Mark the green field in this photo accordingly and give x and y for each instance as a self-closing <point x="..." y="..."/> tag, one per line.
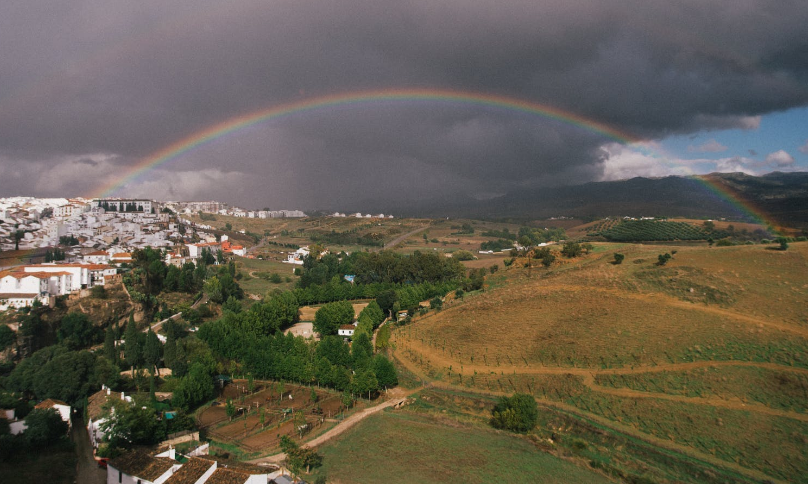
<point x="402" y="446"/>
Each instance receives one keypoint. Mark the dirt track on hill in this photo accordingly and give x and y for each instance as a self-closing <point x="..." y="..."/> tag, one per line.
<point x="671" y="301"/>
<point x="340" y="427"/>
<point x="624" y="429"/>
<point x="589" y="375"/>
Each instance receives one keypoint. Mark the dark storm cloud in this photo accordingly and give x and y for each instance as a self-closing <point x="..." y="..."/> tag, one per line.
<point x="119" y="80"/>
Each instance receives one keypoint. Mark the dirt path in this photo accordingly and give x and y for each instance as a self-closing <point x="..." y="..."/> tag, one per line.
<point x="671" y="301"/>
<point x="340" y="427"/>
<point x="616" y="426"/>
<point x="401" y="238"/>
<point x="590" y="374"/>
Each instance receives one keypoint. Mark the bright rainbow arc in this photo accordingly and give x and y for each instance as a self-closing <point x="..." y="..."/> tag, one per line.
<point x="237" y="123"/>
<point x="464" y="98"/>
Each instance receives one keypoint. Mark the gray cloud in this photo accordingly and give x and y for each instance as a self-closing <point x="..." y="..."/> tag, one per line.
<point x="129" y="78"/>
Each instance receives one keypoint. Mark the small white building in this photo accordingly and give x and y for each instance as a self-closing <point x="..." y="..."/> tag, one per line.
<point x="297" y="256"/>
<point x="96" y="257"/>
<point x="61" y="407"/>
<point x="346" y="330"/>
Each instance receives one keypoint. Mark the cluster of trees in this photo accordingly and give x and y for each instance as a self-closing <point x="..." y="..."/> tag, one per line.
<point x="63" y="374"/>
<point x="128" y="207"/>
<point x="222" y="286"/>
<point x="45" y="428"/>
<point x="54" y="255"/>
<point x="298" y="458"/>
<point x="330" y="317"/>
<point x="518" y="413"/>
<point x="380" y="267"/>
<point x="528" y="236"/>
<point x="255" y="340"/>
<point x="68" y="240"/>
<point x="338" y="289"/>
<point x="497" y="245"/>
<point x="575" y="249"/>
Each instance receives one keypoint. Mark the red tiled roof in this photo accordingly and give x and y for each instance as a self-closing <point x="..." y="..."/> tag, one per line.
<point x="190" y="472"/>
<point x="15" y="295"/>
<point x="227" y="476"/>
<point x="139" y="463"/>
<point x="50" y="403"/>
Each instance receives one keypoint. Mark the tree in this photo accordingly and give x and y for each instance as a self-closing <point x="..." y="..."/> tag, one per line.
<point x="386" y="299"/>
<point x="131" y="425"/>
<point x="7" y="337"/>
<point x="783" y="243"/>
<point x="548" y="259"/>
<point x="170" y="350"/>
<point x="230" y="409"/>
<point x="180" y="366"/>
<point x="213" y="288"/>
<point x="331" y="316"/>
<point x="153" y="351"/>
<point x="44" y="426"/>
<point x="76" y="330"/>
<point x="436" y="303"/>
<point x="518" y="413"/>
<point x="195" y="388"/>
<point x="385" y="372"/>
<point x="132" y="350"/>
<point x="18" y="236"/>
<point x="571" y="249"/>
<point x="109" y="345"/>
<point x="709" y="225"/>
<point x="663" y="259"/>
<point x="618" y="258"/>
<point x="361" y="350"/>
<point x="462" y="255"/>
<point x="297" y="458"/>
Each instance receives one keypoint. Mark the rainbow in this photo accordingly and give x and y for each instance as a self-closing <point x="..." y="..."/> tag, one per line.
<point x="237" y="123"/>
<point x="744" y="206"/>
<point x="466" y="98"/>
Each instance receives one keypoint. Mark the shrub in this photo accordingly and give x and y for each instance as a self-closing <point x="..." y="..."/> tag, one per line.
<point x="618" y="258"/>
<point x="518" y="413"/>
<point x="663" y="259"/>
<point x="572" y="249"/>
<point x="462" y="255"/>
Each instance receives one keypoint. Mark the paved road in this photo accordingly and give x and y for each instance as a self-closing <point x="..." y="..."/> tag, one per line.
<point x="87" y="471"/>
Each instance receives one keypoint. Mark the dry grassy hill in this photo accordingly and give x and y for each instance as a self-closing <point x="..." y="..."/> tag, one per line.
<point x="706" y="356"/>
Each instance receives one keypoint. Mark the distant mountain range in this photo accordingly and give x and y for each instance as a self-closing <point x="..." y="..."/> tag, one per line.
<point x="780" y="197"/>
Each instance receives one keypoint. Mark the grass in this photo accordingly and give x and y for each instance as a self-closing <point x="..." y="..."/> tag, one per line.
<point x="587" y="316"/>
<point x="778" y="389"/>
<point x="409" y="447"/>
<point x="255" y="275"/>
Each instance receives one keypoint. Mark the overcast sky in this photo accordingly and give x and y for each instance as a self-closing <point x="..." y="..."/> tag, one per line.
<point x="91" y="88"/>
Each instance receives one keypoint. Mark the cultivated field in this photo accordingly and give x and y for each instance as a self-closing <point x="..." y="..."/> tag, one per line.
<point x="706" y="356"/>
<point x="247" y="432"/>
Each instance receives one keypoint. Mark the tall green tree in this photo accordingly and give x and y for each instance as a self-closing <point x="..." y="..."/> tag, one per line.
<point x="153" y="351"/>
<point x="132" y="349"/>
<point x="109" y="345"/>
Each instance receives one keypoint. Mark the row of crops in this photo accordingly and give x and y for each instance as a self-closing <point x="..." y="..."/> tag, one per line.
<point x="602" y="225"/>
<point x="650" y="230"/>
